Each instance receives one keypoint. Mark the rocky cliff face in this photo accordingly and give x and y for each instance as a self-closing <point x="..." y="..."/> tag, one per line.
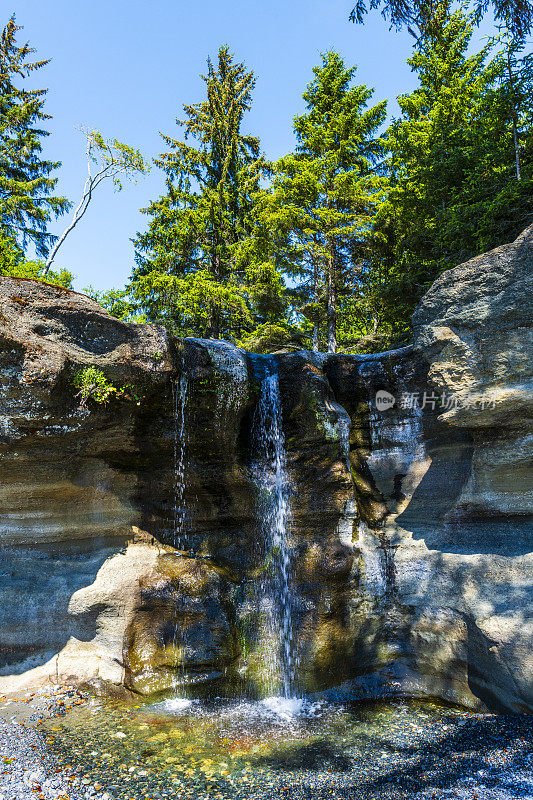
<point x="131" y="532"/>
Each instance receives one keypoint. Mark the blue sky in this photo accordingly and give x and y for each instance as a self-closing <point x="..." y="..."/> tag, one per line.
<point x="126" y="67"/>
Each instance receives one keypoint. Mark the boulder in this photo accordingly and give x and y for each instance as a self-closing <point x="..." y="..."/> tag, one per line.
<point x="473" y="327"/>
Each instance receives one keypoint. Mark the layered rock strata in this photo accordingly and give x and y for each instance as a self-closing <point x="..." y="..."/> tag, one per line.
<point x="409" y="490"/>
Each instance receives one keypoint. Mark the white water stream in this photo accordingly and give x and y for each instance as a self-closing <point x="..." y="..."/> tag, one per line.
<point x="180" y="434"/>
<point x="274" y="589"/>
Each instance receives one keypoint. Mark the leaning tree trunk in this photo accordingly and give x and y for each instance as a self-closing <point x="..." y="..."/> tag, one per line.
<point x="332" y="304"/>
<point x="78" y="214"/>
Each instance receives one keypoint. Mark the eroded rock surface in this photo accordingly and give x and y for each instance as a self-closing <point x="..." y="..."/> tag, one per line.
<point x="131" y="539"/>
<point x="473" y="328"/>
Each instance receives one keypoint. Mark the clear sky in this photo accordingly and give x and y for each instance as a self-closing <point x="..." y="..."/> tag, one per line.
<point x="126" y="67"/>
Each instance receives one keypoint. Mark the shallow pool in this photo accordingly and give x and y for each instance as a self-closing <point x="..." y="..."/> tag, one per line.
<point x="296" y="748"/>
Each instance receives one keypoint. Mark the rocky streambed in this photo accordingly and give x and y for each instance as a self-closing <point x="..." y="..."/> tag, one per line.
<point x="244" y="750"/>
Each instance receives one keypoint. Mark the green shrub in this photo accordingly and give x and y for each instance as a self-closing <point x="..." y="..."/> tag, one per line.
<point x="93" y="385"/>
<point x="13" y="264"/>
<point x="267" y="338"/>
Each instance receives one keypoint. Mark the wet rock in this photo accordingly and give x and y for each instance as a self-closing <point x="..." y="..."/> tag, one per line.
<point x="410" y="559"/>
<point x="182" y="629"/>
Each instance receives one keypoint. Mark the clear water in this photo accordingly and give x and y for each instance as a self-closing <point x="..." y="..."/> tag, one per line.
<point x="274" y="602"/>
<point x="230" y="749"/>
<point x="180" y="391"/>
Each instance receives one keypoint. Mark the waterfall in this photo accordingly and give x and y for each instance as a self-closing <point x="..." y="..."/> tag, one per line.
<point x="274" y="590"/>
<point x="180" y="391"/>
<point x="180" y="402"/>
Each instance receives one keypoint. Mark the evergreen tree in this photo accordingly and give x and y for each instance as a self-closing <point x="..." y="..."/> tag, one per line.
<point x="507" y="138"/>
<point x="418" y="13"/>
<point x="325" y="194"/>
<point x="26" y="200"/>
<point x="435" y="145"/>
<point x="455" y="151"/>
<point x="197" y="230"/>
<point x="428" y="221"/>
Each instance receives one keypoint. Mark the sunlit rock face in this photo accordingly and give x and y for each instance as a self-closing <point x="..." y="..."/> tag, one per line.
<point x="69" y="480"/>
<point x="473" y="328"/>
<point x="182" y="633"/>
<point x="133" y="542"/>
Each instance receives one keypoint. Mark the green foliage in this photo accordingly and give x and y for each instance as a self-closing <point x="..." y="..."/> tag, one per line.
<point x="93" y="385"/>
<point x="189" y="306"/>
<point x="335" y="243"/>
<point x="265" y="293"/>
<point x="10" y="253"/>
<point x="418" y="13"/>
<point x="455" y="191"/>
<point x="26" y="200"/>
<point x="361" y="223"/>
<point x="114" y="160"/>
<point x="325" y="194"/>
<point x="117" y="302"/>
<point x="107" y="159"/>
<point x="197" y="271"/>
<point x="205" y="213"/>
<point x="271" y="338"/>
<point x="14" y="265"/>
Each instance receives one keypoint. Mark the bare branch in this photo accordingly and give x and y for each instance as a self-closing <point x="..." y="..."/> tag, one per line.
<point x="113" y="159"/>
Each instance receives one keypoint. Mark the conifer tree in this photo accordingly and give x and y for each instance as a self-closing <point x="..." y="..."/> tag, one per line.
<point x="417" y="13"/>
<point x="435" y="144"/>
<point x="326" y="193"/>
<point x="454" y="157"/>
<point x="198" y="227"/>
<point x="26" y="186"/>
<point x="506" y="137"/>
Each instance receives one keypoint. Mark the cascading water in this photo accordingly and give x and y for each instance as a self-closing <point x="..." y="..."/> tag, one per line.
<point x="180" y="403"/>
<point x="180" y="391"/>
<point x="274" y="591"/>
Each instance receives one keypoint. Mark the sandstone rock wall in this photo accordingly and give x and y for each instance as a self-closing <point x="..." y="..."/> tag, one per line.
<point x="411" y="555"/>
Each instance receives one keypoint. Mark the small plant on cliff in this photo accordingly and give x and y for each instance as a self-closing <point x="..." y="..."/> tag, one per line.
<point x="93" y="385"/>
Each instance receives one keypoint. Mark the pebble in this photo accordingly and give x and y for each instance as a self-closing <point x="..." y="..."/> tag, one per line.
<point x="483" y="757"/>
<point x="26" y="770"/>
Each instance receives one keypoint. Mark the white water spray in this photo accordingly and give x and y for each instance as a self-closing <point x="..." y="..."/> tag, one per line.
<point x="274" y="590"/>
<point x="180" y="391"/>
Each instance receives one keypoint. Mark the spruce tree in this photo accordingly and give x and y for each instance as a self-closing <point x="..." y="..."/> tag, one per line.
<point x="460" y="165"/>
<point x="418" y="13"/>
<point x="435" y="146"/>
<point x="26" y="186"/>
<point x="505" y="132"/>
<point x="198" y="227"/>
<point x="326" y="193"/>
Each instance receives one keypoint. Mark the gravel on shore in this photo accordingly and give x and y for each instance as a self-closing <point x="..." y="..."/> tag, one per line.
<point x="470" y="757"/>
<point x="26" y="770"/>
